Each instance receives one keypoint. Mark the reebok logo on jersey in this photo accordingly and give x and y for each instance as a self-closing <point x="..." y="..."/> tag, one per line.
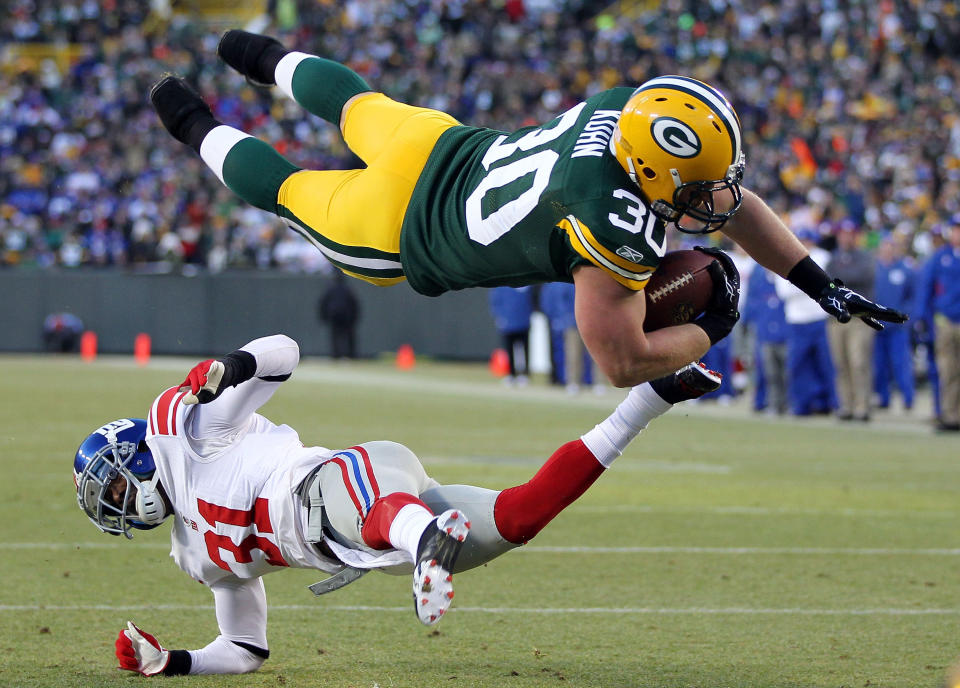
<point x="675" y="137"/>
<point x="630" y="254"/>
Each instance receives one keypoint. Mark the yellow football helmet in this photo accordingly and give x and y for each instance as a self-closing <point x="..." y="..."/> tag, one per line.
<point x="679" y="140"/>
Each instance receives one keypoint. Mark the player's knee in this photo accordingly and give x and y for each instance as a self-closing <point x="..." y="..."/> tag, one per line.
<point x="485" y="542"/>
<point x="517" y="524"/>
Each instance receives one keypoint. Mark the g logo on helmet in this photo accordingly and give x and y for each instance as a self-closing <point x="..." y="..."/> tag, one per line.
<point x="675" y="137"/>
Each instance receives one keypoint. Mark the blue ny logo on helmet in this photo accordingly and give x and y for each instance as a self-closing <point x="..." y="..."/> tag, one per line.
<point x="110" y="453"/>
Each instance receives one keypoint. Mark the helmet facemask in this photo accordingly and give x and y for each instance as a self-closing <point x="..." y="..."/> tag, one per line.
<point x="142" y="505"/>
<point x="694" y="205"/>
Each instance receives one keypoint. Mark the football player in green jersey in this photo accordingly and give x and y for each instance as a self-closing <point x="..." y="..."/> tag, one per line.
<point x="586" y="197"/>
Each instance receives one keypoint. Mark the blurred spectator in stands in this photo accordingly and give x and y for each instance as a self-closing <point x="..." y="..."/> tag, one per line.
<point x="922" y="323"/>
<point x="763" y="312"/>
<point x="61" y="332"/>
<point x="511" y="308"/>
<point x="892" y="356"/>
<point x="851" y="348"/>
<point x="938" y="298"/>
<point x="555" y="304"/>
<point x="339" y="309"/>
<point x="810" y="374"/>
<point x="557" y="301"/>
<point x="844" y="104"/>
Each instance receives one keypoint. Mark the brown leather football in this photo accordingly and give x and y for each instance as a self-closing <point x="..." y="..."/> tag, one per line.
<point x="679" y="290"/>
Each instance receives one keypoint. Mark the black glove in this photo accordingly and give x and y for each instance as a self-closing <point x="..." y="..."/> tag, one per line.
<point x="207" y="380"/>
<point x="721" y="314"/>
<point x="843" y="304"/>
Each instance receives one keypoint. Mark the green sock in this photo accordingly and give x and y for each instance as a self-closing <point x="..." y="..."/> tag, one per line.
<point x="322" y="87"/>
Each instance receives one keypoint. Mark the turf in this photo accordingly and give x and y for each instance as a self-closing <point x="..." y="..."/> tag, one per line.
<point x="721" y="550"/>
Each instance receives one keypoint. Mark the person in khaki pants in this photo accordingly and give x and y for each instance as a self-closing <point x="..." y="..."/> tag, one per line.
<point x="939" y="295"/>
<point x="852" y="347"/>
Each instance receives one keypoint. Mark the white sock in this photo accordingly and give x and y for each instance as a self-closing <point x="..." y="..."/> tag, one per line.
<point x="287" y="65"/>
<point x="216" y="145"/>
<point x="608" y="439"/>
<point x="407" y="527"/>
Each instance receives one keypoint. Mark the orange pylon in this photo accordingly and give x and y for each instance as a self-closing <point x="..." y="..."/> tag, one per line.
<point x="88" y="345"/>
<point x="499" y="363"/>
<point x="406" y="359"/>
<point x="141" y="349"/>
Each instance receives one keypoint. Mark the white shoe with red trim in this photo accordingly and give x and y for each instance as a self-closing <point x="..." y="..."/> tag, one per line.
<point x="437" y="552"/>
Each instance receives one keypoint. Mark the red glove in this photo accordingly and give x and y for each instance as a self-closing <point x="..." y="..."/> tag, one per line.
<point x="139" y="651"/>
<point x="204" y="382"/>
<point x="207" y="380"/>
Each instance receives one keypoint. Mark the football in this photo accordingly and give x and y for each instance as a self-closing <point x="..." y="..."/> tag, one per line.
<point x="679" y="290"/>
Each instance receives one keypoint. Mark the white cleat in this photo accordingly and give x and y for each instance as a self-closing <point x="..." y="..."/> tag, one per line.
<point x="437" y="553"/>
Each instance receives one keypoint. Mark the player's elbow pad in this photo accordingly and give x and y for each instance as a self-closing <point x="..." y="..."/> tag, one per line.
<point x="224" y="656"/>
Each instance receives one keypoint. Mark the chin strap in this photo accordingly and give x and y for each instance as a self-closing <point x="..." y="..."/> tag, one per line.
<point x="151" y="506"/>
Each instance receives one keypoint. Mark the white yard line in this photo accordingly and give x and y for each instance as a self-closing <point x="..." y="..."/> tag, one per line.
<point x="405" y="609"/>
<point x="544" y="549"/>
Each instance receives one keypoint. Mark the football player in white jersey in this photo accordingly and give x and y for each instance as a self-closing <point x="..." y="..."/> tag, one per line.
<point x="247" y="498"/>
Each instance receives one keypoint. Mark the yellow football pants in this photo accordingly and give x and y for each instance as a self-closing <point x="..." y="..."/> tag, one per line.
<point x="354" y="216"/>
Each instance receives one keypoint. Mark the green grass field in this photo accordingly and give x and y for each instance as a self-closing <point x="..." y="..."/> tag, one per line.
<point x="721" y="550"/>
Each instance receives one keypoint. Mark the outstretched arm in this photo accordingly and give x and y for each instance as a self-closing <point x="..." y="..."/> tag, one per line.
<point x="232" y="388"/>
<point x="240" y="648"/>
<point x="768" y="240"/>
<point x="764" y="236"/>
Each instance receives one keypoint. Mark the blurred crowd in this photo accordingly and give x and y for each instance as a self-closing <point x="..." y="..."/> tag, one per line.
<point x="802" y="362"/>
<point x="848" y="108"/>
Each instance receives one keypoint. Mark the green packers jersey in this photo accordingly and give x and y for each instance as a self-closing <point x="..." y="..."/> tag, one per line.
<point x="493" y="209"/>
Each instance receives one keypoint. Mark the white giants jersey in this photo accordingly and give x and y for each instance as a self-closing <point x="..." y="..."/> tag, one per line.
<point x="231" y="475"/>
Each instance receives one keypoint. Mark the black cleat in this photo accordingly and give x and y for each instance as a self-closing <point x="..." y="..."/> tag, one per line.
<point x="178" y="105"/>
<point x="252" y="55"/>
<point x="437" y="552"/>
<point x="690" y="382"/>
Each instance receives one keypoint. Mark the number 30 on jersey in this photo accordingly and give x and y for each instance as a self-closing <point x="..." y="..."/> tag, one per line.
<point x="486" y="230"/>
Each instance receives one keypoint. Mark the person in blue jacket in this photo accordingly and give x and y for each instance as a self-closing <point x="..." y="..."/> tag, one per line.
<point x="511" y="308"/>
<point x="938" y="298"/>
<point x="763" y="311"/>
<point x="557" y="303"/>
<point x="572" y="363"/>
<point x="894" y="278"/>
<point x="810" y="371"/>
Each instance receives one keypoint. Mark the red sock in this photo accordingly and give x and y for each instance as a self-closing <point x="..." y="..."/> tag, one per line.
<point x="376" y="527"/>
<point x="521" y="512"/>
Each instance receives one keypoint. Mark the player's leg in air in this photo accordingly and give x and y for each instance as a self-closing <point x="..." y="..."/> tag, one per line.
<point x="352" y="216"/>
<point x="501" y="521"/>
